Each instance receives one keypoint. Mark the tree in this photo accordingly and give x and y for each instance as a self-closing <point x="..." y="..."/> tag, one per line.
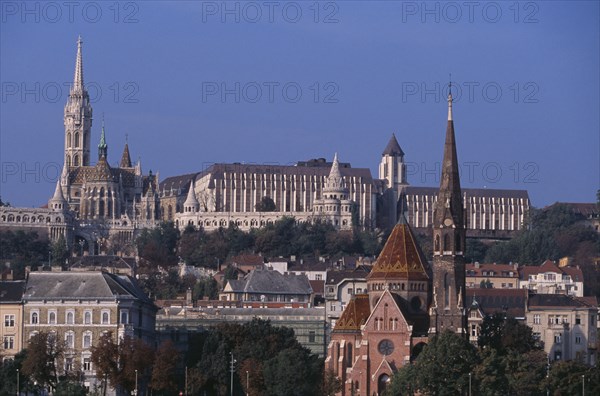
<point x="442" y="368"/>
<point x="266" y="204"/>
<point x="164" y="370"/>
<point x="59" y="252"/>
<point x="505" y="334"/>
<point x="8" y="375"/>
<point x="331" y="384"/>
<point x="41" y="362"/>
<point x="105" y="358"/>
<point x="293" y="372"/>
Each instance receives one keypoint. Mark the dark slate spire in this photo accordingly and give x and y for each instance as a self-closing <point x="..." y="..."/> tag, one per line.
<point x="393" y="148"/>
<point x="449" y="202"/>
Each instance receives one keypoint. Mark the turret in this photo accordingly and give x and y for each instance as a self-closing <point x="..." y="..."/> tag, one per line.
<point x="191" y="204"/>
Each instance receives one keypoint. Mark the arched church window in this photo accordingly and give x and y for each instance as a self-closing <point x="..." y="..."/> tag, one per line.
<point x="437" y="243"/>
<point x="349" y="355"/>
<point x="446" y="242"/>
<point x="76" y="139"/>
<point x="76" y="160"/>
<point x="69" y="139"/>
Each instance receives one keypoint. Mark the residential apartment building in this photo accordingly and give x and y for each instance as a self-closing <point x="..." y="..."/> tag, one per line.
<point x="548" y="278"/>
<point x="11" y="315"/>
<point x="340" y="287"/>
<point x="78" y="307"/>
<point x="499" y="276"/>
<point x="268" y="286"/>
<point x="566" y="325"/>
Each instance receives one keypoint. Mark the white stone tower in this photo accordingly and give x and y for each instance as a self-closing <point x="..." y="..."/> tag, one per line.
<point x="392" y="167"/>
<point x="78" y="118"/>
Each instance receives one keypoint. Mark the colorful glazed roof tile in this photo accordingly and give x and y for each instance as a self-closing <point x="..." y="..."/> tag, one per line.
<point x="401" y="257"/>
<point x="355" y="314"/>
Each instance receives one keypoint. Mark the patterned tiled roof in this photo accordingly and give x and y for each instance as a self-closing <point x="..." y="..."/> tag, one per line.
<point x="355" y="314"/>
<point x="401" y="257"/>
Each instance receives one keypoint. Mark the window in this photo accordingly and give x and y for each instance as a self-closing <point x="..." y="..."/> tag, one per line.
<point x="349" y="291"/>
<point x="332" y="307"/>
<point x="9" y="320"/>
<point x="557" y="355"/>
<point x="70" y="317"/>
<point x="70" y="339"/>
<point x="69" y="364"/>
<point x="536" y="319"/>
<point x="87" y="364"/>
<point x="34" y="318"/>
<point x="473" y="330"/>
<point x="105" y="317"/>
<point x="9" y="342"/>
<point x="87" y="317"/>
<point x="577" y="319"/>
<point x="124" y="316"/>
<point x="52" y="317"/>
<point x="319" y="277"/>
<point x="557" y="338"/>
<point x="87" y="340"/>
<point x="578" y="339"/>
<point x="311" y="336"/>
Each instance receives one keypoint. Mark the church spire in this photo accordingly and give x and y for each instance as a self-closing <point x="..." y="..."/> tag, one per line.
<point x="58" y="201"/>
<point x="102" y="146"/>
<point x="78" y="78"/>
<point x="125" y="158"/>
<point x="450" y="101"/>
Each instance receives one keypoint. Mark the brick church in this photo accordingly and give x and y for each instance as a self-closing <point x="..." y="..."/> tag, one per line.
<point x="407" y="300"/>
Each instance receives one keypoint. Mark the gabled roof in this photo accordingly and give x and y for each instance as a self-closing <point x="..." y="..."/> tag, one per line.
<point x="489" y="301"/>
<point x="560" y="301"/>
<point x="500" y="270"/>
<point x="393" y="148"/>
<point x="355" y="314"/>
<point x="11" y="291"/>
<point x="401" y="257"/>
<point x="549" y="266"/>
<point x="261" y="281"/>
<point x="336" y="276"/>
<point x="80" y="285"/>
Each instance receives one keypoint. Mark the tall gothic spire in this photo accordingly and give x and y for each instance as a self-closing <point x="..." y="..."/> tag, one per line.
<point x="450" y="197"/>
<point x="78" y="78"/>
<point x="125" y="157"/>
<point x="102" y="146"/>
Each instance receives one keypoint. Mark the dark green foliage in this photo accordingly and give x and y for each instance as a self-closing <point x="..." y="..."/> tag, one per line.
<point x="277" y="364"/>
<point x="8" y="375"/>
<point x="441" y="369"/>
<point x="41" y="360"/>
<point x="505" y="334"/>
<point x="70" y="388"/>
<point x="158" y="246"/>
<point x="266" y="204"/>
<point x="22" y="249"/>
<point x="60" y="253"/>
<point x="549" y="234"/>
<point x="476" y="251"/>
<point x="206" y="287"/>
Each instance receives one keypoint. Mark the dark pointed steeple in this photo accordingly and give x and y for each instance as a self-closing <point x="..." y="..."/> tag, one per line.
<point x="102" y="146"/>
<point x="125" y="158"/>
<point x="448" y="268"/>
<point x="449" y="204"/>
<point x="393" y="148"/>
<point x="78" y="76"/>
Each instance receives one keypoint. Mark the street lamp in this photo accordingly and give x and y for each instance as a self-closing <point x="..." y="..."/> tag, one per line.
<point x="469" y="384"/>
<point x="583" y="385"/>
<point x="135" y="392"/>
<point x="247" y="383"/>
<point x="232" y="368"/>
<point x="81" y="243"/>
<point x="18" y="390"/>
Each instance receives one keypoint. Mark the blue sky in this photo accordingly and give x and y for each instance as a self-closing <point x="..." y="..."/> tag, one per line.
<point x="193" y="83"/>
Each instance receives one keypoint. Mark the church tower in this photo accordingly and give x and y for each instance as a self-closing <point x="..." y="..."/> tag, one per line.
<point x="78" y="118"/>
<point x="392" y="167"/>
<point x="447" y="309"/>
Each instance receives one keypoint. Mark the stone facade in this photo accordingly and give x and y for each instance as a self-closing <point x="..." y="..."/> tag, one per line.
<point x="78" y="307"/>
<point x="11" y="317"/>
